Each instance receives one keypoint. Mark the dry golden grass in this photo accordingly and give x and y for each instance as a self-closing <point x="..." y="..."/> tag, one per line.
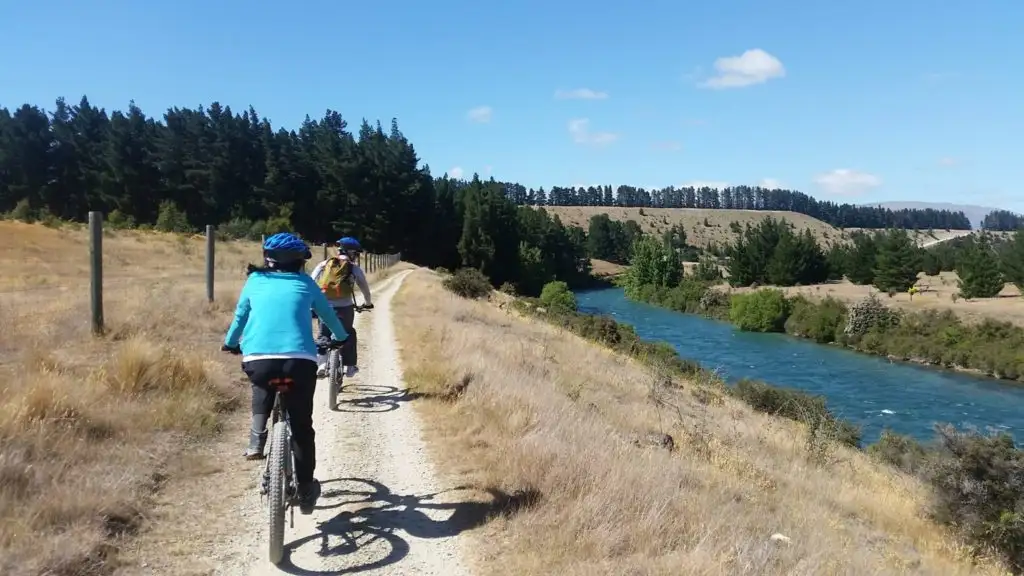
<point x="718" y="231"/>
<point x="517" y="405"/>
<point x="937" y="294"/>
<point x="603" y="268"/>
<point x="90" y="427"/>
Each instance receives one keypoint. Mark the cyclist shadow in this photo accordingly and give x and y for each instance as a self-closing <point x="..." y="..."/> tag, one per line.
<point x="377" y="515"/>
<point x="372" y="398"/>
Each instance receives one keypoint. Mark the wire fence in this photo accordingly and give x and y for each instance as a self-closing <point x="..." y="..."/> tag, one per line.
<point x="370" y="262"/>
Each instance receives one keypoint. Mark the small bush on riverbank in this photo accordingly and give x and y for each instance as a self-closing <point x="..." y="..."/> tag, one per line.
<point x="796" y="405"/>
<point x="761" y="311"/>
<point x="468" y="283"/>
<point x="822" y="321"/>
<point x="557" y="296"/>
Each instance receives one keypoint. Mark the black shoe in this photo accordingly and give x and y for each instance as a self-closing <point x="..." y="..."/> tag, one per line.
<point x="257" y="442"/>
<point x="309" y="493"/>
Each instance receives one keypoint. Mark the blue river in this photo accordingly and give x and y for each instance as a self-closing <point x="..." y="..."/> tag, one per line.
<point x="868" y="390"/>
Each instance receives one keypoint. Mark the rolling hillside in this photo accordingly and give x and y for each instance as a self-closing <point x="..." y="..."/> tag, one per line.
<point x="702" y="226"/>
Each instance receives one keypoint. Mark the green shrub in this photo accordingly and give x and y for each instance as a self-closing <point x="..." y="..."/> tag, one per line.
<point x="557" y="297"/>
<point x="119" y="220"/>
<point x="979" y="481"/>
<point x="822" y="321"/>
<point x="707" y="270"/>
<point x="23" y="212"/>
<point x="238" y="228"/>
<point x="796" y="405"/>
<point x="468" y="283"/>
<point x="170" y="218"/>
<point x="899" y="451"/>
<point x="760" y="311"/>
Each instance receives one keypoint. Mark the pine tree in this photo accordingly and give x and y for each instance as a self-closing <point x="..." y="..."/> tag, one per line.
<point x="1013" y="260"/>
<point x="978" y="270"/>
<point x="896" y="264"/>
<point x="861" y="259"/>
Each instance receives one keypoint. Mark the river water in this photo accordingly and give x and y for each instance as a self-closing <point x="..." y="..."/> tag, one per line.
<point x="868" y="390"/>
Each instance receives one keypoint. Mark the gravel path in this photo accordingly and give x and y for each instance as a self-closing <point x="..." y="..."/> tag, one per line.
<point x="382" y="510"/>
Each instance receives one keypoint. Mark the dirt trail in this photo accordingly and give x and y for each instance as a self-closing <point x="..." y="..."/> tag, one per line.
<point x="382" y="510"/>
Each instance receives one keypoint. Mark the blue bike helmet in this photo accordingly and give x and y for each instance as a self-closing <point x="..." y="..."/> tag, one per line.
<point x="350" y="243"/>
<point x="284" y="248"/>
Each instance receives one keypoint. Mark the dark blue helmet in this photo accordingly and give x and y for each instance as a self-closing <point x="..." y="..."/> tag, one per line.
<point x="350" y="243"/>
<point x="283" y="248"/>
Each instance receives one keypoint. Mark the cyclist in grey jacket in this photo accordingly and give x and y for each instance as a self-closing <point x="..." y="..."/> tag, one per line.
<point x="348" y="249"/>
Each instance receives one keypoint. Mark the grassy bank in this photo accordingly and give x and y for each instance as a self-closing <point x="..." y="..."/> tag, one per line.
<point x="931" y="337"/>
<point x="91" y="427"/>
<point x="635" y="463"/>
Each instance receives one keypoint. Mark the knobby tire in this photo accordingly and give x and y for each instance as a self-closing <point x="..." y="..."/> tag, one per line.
<point x="334" y="376"/>
<point x="277" y="493"/>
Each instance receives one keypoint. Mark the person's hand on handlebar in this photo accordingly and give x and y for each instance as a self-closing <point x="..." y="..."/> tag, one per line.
<point x="324" y="344"/>
<point x="236" y="350"/>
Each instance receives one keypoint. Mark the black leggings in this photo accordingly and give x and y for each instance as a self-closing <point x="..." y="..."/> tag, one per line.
<point x="298" y="401"/>
<point x="347" y="316"/>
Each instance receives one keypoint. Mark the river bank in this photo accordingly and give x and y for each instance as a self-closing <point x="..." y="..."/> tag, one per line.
<point x="890" y="397"/>
<point x="929" y="337"/>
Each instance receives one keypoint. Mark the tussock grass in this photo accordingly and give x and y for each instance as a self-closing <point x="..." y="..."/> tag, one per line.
<point x="518" y="405"/>
<point x="90" y="427"/>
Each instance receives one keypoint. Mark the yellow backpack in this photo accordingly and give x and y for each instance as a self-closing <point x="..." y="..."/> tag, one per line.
<point x="336" y="279"/>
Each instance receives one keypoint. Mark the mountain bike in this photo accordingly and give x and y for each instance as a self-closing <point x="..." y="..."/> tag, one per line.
<point x="279" y="484"/>
<point x="335" y="373"/>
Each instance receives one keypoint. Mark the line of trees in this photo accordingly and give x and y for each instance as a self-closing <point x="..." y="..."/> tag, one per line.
<point x="744" y="198"/>
<point x="772" y="253"/>
<point x="1002" y="220"/>
<point x="213" y="166"/>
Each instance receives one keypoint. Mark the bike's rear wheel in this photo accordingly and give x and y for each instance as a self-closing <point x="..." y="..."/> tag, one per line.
<point x="277" y="492"/>
<point x="334" y="376"/>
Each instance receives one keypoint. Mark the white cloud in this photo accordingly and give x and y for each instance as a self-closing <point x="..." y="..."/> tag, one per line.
<point x="579" y="130"/>
<point x="770" y="183"/>
<point x="480" y="114"/>
<point x="847" y="182"/>
<point x="580" y="94"/>
<point x="456" y="173"/>
<point x="752" y="67"/>
<point x="716" y="184"/>
<point x="947" y="161"/>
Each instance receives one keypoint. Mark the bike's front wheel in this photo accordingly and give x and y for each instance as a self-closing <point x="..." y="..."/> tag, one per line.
<point x="334" y="376"/>
<point x="277" y="490"/>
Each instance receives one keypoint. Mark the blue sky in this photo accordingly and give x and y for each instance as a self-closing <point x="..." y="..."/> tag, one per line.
<point x="867" y="101"/>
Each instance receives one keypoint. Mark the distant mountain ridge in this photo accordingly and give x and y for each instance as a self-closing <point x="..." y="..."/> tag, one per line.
<point x="973" y="212"/>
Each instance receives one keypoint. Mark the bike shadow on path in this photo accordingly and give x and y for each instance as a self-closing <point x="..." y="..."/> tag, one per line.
<point x="372" y="398"/>
<point x="376" y="515"/>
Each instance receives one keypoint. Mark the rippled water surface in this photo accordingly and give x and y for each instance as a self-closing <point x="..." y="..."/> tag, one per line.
<point x="868" y="390"/>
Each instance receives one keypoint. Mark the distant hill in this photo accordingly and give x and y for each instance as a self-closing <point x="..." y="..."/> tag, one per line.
<point x="974" y="213"/>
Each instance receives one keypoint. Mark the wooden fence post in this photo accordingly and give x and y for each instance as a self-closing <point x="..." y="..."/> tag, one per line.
<point x="210" y="247"/>
<point x="96" y="270"/>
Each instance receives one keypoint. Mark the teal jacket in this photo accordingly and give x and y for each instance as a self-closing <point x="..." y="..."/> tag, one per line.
<point x="273" y="315"/>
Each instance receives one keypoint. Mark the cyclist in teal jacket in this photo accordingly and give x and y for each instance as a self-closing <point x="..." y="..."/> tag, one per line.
<point x="274" y="328"/>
